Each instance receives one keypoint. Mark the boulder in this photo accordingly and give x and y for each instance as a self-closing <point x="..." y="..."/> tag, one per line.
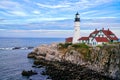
<point x="28" y="73"/>
<point x="32" y="55"/>
<point x="104" y="59"/>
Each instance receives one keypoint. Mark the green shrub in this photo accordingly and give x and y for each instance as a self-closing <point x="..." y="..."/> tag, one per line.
<point x="110" y="42"/>
<point x="100" y="46"/>
<point x="80" y="45"/>
<point x="64" y="45"/>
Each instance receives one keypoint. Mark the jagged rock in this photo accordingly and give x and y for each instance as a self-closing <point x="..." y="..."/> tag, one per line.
<point x="104" y="59"/>
<point x="28" y="73"/>
<point x="48" y="52"/>
<point x="32" y="55"/>
<point x="16" y="48"/>
<point x="73" y="56"/>
<point x="30" y="47"/>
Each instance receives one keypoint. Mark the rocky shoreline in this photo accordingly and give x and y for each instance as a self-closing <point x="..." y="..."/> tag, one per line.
<point x="78" y="62"/>
<point x="68" y="71"/>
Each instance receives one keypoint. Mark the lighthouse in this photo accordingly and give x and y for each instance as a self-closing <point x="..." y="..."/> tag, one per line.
<point x="76" y="35"/>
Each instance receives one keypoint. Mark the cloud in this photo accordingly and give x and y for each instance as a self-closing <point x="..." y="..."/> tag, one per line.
<point x="2" y="29"/>
<point x="61" y="24"/>
<point x="46" y="19"/>
<point x="35" y="33"/>
<point x="10" y="5"/>
<point x="39" y="16"/>
<point x="107" y="20"/>
<point x="89" y="12"/>
<point x="36" y="12"/>
<point x="5" y="13"/>
<point x="52" y="6"/>
<point x="92" y="26"/>
<point x="18" y="13"/>
<point x="12" y="8"/>
<point x="26" y="1"/>
<point x="46" y="33"/>
<point x="82" y="4"/>
<point x="2" y="20"/>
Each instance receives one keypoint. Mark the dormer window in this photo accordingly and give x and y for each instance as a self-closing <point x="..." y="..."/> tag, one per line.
<point x="93" y="35"/>
<point x="112" y="35"/>
<point x="100" y="31"/>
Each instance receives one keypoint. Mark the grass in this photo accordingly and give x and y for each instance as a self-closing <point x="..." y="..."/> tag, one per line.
<point x="100" y="46"/>
<point x="64" y="45"/>
<point x="80" y="45"/>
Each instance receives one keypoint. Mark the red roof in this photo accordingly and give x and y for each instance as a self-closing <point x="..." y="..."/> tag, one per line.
<point x="69" y="39"/>
<point x="94" y="32"/>
<point x="101" y="39"/>
<point x="84" y="38"/>
<point x="108" y="33"/>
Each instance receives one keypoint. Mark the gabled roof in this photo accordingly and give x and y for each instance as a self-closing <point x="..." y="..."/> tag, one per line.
<point x="108" y="37"/>
<point x="84" y="38"/>
<point x="108" y="33"/>
<point x="101" y="39"/>
<point x="94" y="32"/>
<point x="69" y="39"/>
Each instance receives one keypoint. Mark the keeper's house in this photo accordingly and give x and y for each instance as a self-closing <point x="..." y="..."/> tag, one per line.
<point x="97" y="37"/>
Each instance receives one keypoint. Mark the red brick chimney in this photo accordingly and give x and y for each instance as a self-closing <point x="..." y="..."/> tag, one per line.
<point x="95" y="29"/>
<point x="102" y="28"/>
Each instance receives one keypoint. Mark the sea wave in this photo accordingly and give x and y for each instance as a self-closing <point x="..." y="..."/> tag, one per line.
<point x="16" y="48"/>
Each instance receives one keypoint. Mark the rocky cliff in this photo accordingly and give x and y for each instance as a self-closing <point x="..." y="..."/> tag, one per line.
<point x="103" y="59"/>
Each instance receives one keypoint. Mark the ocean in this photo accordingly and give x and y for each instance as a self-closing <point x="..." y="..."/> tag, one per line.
<point x="13" y="57"/>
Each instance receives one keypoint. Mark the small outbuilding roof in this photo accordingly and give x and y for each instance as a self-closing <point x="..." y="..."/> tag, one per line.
<point x="69" y="39"/>
<point x="84" y="38"/>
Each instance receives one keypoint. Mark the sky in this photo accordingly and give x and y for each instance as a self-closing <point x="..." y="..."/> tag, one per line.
<point x="55" y="18"/>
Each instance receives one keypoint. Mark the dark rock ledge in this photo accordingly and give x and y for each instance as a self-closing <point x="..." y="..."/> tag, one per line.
<point x="69" y="71"/>
<point x="78" y="61"/>
<point x="28" y="73"/>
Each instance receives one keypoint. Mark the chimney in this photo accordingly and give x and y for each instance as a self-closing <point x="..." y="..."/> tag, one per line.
<point x="108" y="29"/>
<point x="102" y="28"/>
<point x="95" y="29"/>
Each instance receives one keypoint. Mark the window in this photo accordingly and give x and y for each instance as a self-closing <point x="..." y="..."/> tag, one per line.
<point x="93" y="35"/>
<point x="94" y="43"/>
<point x="112" y="36"/>
<point x="98" y="35"/>
<point x="111" y="40"/>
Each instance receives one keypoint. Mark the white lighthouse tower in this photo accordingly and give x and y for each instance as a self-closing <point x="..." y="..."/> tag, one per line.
<point x="76" y="28"/>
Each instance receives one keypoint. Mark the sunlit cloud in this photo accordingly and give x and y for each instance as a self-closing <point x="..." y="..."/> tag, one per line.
<point x="2" y="29"/>
<point x="46" y="33"/>
<point x="9" y="5"/>
<point x="46" y="19"/>
<point x="52" y="6"/>
<point x="2" y="19"/>
<point x="89" y="12"/>
<point x="36" y="33"/>
<point x="51" y="17"/>
<point x="36" y="12"/>
<point x="18" y="13"/>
